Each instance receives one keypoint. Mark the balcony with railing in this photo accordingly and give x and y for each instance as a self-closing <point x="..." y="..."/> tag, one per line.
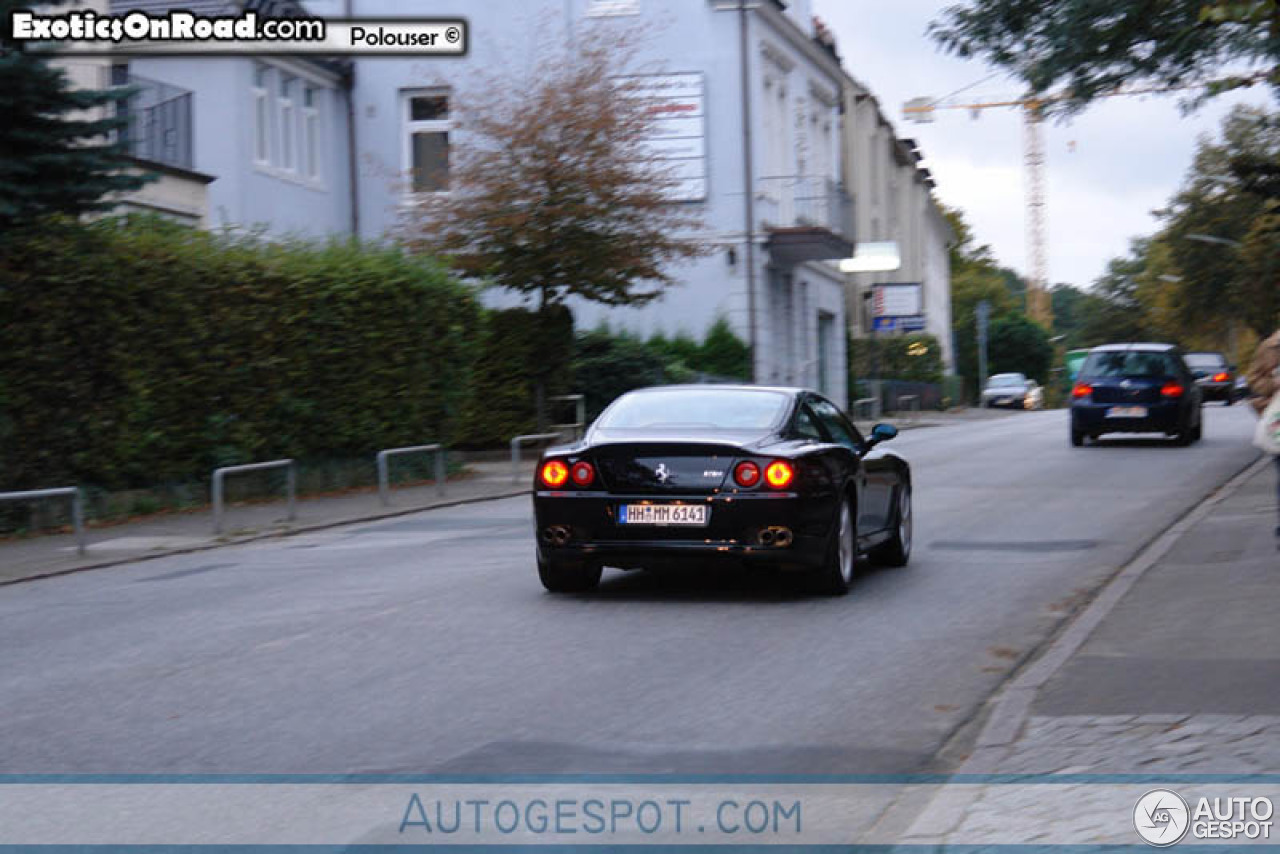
<point x="160" y="126"/>
<point x="808" y="218"/>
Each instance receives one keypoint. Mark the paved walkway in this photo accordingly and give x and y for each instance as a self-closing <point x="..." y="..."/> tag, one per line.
<point x="155" y="536"/>
<point x="1179" y="676"/>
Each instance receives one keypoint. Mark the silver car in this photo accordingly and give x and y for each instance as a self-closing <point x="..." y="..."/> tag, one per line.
<point x="1012" y="390"/>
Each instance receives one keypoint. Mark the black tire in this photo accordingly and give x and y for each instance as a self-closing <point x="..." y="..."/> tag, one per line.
<point x="1230" y="400"/>
<point x="1184" y="437"/>
<point x="896" y="551"/>
<point x="1077" y="438"/>
<point x="1197" y="432"/>
<point x="837" y="571"/>
<point x="568" y="577"/>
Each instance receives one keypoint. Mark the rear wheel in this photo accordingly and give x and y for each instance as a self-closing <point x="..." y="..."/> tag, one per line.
<point x="564" y="577"/>
<point x="1230" y="400"/>
<point x="1077" y="437"/>
<point x="842" y="550"/>
<point x="897" y="550"/>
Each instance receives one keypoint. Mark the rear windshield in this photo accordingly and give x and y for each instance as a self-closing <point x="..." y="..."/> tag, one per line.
<point x="1134" y="363"/>
<point x="1206" y="360"/>
<point x="702" y="409"/>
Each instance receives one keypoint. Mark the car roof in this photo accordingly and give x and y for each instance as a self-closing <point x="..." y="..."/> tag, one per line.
<point x="1010" y="374"/>
<point x="1139" y="346"/>
<point x="792" y="390"/>
<point x="1207" y="353"/>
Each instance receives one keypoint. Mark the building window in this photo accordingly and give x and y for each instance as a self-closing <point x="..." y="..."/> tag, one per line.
<point x="427" y="127"/>
<point x="311" y="132"/>
<point x="287" y="123"/>
<point x="261" y="116"/>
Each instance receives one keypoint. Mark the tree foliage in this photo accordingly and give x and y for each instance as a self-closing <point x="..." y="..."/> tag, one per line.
<point x="141" y="353"/>
<point x="1227" y="198"/>
<point x="1017" y="344"/>
<point x="552" y="192"/>
<point x="59" y="147"/>
<point x="1079" y="50"/>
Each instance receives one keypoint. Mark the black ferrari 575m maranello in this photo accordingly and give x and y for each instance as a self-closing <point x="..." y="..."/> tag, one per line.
<point x="676" y="475"/>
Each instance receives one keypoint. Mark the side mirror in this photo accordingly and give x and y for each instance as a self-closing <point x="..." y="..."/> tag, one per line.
<point x="883" y="433"/>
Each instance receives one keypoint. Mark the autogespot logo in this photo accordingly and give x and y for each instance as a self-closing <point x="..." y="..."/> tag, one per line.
<point x="1161" y="817"/>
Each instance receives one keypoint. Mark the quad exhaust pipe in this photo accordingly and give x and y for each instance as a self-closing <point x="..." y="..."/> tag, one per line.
<point x="775" y="536"/>
<point x="556" y="535"/>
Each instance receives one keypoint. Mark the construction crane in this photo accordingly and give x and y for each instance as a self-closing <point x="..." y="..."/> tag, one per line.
<point x="921" y="110"/>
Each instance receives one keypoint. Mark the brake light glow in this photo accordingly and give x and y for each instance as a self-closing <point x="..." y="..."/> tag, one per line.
<point x="1172" y="390"/>
<point x="1221" y="378"/>
<point x="779" y="474"/>
<point x="582" y="473"/>
<point x="746" y="474"/>
<point x="1080" y="390"/>
<point x="553" y="473"/>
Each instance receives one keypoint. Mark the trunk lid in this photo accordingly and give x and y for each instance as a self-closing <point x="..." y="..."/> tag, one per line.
<point x="666" y="468"/>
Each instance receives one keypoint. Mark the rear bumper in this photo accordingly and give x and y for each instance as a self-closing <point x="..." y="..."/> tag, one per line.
<point x="1092" y="418"/>
<point x="1217" y="391"/>
<point x="731" y="535"/>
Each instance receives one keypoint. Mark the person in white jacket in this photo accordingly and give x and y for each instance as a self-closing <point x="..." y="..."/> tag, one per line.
<point x="1264" y="383"/>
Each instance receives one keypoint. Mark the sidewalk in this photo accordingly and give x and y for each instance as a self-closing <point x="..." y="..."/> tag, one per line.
<point x="1174" y="670"/>
<point x="174" y="533"/>
<point x="192" y="531"/>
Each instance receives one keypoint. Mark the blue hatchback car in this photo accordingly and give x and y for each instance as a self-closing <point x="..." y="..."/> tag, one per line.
<point x="1136" y="388"/>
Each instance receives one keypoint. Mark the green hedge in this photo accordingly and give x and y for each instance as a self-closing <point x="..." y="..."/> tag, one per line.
<point x="137" y="353"/>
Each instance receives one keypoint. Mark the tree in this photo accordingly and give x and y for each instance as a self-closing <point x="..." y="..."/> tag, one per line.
<point x="552" y="192"/>
<point x="724" y="354"/>
<point x="1079" y="50"/>
<point x="60" y="152"/>
<point x="1019" y="345"/>
<point x="1227" y="197"/>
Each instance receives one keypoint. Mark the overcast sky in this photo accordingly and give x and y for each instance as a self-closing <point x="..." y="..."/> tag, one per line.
<point x="1108" y="169"/>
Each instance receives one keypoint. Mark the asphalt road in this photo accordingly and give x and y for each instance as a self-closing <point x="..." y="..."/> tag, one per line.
<point x="426" y="644"/>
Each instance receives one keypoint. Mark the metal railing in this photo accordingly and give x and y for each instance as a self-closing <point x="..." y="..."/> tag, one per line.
<point x="77" y="506"/>
<point x="580" y="413"/>
<point x="160" y="120"/>
<point x="520" y="440"/>
<point x="384" y="486"/>
<point x="805" y="200"/>
<point x="291" y="486"/>
<point x="867" y="403"/>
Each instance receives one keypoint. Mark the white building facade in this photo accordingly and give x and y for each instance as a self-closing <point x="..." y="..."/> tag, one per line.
<point x="757" y="147"/>
<point x="774" y="142"/>
<point x="896" y="203"/>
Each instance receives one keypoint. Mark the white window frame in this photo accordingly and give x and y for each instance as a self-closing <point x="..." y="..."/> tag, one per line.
<point x="261" y="115"/>
<point x="411" y="127"/>
<point x="309" y="133"/>
<point x="288" y="123"/>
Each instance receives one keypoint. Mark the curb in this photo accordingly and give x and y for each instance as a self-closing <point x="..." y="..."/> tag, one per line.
<point x="1011" y="710"/>
<point x="302" y="529"/>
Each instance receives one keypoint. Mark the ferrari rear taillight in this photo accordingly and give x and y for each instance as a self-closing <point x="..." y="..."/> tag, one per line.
<point x="779" y="474"/>
<point x="1221" y="378"/>
<point x="1080" y="390"/>
<point x="553" y="474"/>
<point x="582" y="473"/>
<point x="746" y="474"/>
<point x="1172" y="390"/>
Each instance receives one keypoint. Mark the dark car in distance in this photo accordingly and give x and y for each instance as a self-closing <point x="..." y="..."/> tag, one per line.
<point x="675" y="476"/>
<point x="1215" y="376"/>
<point x="1136" y="388"/>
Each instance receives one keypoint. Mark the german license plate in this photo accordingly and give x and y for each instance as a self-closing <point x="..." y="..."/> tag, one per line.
<point x="692" y="515"/>
<point x="1127" y="412"/>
